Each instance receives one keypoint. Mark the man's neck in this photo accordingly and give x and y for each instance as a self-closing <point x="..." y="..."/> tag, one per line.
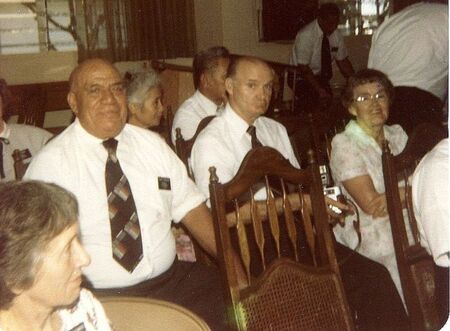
<point x="211" y="97"/>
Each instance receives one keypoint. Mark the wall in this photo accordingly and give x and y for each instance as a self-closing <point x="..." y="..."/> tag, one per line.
<point x="232" y="23"/>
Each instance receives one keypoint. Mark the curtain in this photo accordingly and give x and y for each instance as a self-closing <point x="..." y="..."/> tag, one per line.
<point x="131" y="30"/>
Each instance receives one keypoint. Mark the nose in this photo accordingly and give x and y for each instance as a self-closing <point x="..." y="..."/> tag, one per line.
<point x="82" y="257"/>
<point x="107" y="95"/>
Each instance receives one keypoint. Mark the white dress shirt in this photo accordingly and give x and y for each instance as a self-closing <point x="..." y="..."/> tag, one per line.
<point x="411" y="48"/>
<point x="21" y="137"/>
<point x="190" y="113"/>
<point x="76" y="160"/>
<point x="430" y="201"/>
<point x="307" y="48"/>
<point x="225" y="142"/>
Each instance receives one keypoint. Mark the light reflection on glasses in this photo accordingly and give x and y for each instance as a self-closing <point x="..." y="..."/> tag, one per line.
<point x="367" y="98"/>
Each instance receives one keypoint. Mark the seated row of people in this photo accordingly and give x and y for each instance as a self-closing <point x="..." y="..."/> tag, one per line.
<point x="144" y="177"/>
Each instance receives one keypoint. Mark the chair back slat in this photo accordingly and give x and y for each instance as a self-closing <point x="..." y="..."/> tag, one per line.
<point x="415" y="265"/>
<point x="290" y="220"/>
<point x="272" y="216"/>
<point x="243" y="241"/>
<point x="257" y="228"/>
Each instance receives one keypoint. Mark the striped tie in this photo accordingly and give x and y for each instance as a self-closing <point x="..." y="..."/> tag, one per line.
<point x="125" y="230"/>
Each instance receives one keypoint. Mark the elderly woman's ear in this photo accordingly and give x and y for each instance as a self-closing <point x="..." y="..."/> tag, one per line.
<point x="133" y="108"/>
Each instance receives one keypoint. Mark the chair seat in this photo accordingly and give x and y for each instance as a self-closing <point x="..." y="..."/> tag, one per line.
<point x="136" y="314"/>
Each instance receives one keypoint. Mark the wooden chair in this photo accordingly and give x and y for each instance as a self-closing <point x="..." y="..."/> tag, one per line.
<point x="21" y="161"/>
<point x="415" y="265"/>
<point x="288" y="294"/>
<point x="139" y="314"/>
<point x="183" y="147"/>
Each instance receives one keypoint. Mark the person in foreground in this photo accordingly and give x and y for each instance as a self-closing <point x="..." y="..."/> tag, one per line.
<point x="130" y="186"/>
<point x="144" y="94"/>
<point x="431" y="204"/>
<point x="226" y="141"/>
<point x="41" y="260"/>
<point x="356" y="165"/>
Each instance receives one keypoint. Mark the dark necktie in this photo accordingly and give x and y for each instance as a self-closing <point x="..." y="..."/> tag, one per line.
<point x="125" y="230"/>
<point x="2" y="170"/>
<point x="252" y="132"/>
<point x="326" y="71"/>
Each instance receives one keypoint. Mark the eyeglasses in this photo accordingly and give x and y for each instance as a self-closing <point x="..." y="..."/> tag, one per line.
<point x="366" y="98"/>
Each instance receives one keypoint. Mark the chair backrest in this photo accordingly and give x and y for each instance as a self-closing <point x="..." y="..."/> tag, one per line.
<point x="415" y="265"/>
<point x="139" y="314"/>
<point x="21" y="159"/>
<point x="289" y="293"/>
<point x="183" y="147"/>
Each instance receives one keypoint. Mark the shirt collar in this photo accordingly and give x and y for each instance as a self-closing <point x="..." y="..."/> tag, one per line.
<point x="358" y="134"/>
<point x="89" y="138"/>
<point x="238" y="126"/>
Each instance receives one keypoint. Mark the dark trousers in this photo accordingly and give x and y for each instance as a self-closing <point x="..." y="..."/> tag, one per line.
<point x="192" y="285"/>
<point x="370" y="292"/>
<point x="442" y="294"/>
<point x="412" y="106"/>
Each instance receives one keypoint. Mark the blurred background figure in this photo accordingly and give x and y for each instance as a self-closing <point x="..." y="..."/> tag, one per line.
<point x="25" y="138"/>
<point x="41" y="261"/>
<point x="356" y="166"/>
<point x="411" y="48"/>
<point x="144" y="93"/>
<point x="430" y="201"/>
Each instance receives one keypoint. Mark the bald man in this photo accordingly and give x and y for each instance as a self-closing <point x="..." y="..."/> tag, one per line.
<point x="159" y="185"/>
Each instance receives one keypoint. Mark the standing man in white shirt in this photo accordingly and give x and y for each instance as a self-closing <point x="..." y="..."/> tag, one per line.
<point x="226" y="141"/>
<point x="209" y="72"/>
<point x="139" y="258"/>
<point x="411" y="48"/>
<point x="316" y="46"/>
<point x="431" y="210"/>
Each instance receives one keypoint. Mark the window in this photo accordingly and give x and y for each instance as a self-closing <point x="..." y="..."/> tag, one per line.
<point x="35" y="26"/>
<point x="361" y="16"/>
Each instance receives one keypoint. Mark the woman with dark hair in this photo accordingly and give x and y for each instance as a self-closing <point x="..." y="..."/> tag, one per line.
<point x="356" y="165"/>
<point x="41" y="260"/>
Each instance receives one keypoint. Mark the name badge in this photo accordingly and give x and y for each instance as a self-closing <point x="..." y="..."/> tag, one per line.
<point x="334" y="49"/>
<point x="164" y="183"/>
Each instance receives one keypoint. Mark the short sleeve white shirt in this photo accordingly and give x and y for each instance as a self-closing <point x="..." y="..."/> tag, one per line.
<point x="76" y="161"/>
<point x="431" y="201"/>
<point x="190" y="113"/>
<point x="21" y="137"/>
<point x="411" y="47"/>
<point x="307" y="48"/>
<point x="225" y="142"/>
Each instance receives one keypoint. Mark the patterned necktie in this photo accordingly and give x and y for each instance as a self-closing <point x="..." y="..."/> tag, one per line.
<point x="255" y="141"/>
<point x="326" y="71"/>
<point x="125" y="230"/>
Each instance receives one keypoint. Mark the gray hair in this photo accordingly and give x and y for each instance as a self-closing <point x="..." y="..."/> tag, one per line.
<point x="140" y="83"/>
<point x="32" y="213"/>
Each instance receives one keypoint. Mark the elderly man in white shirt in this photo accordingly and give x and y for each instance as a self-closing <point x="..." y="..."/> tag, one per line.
<point x="209" y="72"/>
<point x="78" y="161"/>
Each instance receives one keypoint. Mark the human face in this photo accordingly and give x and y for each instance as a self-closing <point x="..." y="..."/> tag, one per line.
<point x="250" y="89"/>
<point x="328" y="24"/>
<point x="98" y="99"/>
<point x="215" y="81"/>
<point x="370" y="112"/>
<point x="149" y="113"/>
<point x="58" y="275"/>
